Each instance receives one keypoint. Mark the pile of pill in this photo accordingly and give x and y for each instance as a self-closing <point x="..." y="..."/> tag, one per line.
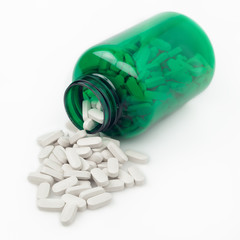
<point x="80" y="171"/>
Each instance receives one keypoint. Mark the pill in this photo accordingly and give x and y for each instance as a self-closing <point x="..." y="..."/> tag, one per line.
<point x="99" y="105"/>
<point x="117" y="152"/>
<point x="60" y="187"/>
<point x="106" y="154"/>
<point x="96" y="157"/>
<point x="99" y="177"/>
<point x="136" y="174"/>
<point x="50" y="204"/>
<point x="114" y="185"/>
<point x="136" y="156"/>
<point x="84" y="152"/>
<point x="68" y="213"/>
<point x="49" y="138"/>
<point x="73" y="158"/>
<point x="76" y="136"/>
<point x="38" y="178"/>
<point x="84" y="175"/>
<point x="51" y="172"/>
<point x="85" y="165"/>
<point x="86" y="194"/>
<point x="64" y="141"/>
<point x="43" y="190"/>
<point x="96" y="115"/>
<point x="66" y="167"/>
<point x="50" y="163"/>
<point x="76" y="190"/>
<point x="126" y="178"/>
<point x="69" y="198"/>
<point x="92" y="142"/>
<point x="85" y="107"/>
<point x="112" y="167"/>
<point x="89" y="124"/>
<point x="60" y="154"/>
<point x="45" y="152"/>
<point x="98" y="201"/>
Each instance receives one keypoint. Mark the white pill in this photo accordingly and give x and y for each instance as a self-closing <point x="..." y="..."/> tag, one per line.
<point x="66" y="167"/>
<point x="112" y="167"/>
<point x="136" y="156"/>
<point x="76" y="190"/>
<point x="86" y="105"/>
<point x="38" y="178"/>
<point x="68" y="214"/>
<point x="94" y="103"/>
<point x="86" y="194"/>
<point x="89" y="124"/>
<point x="100" y="149"/>
<point x="106" y="140"/>
<point x="69" y="198"/>
<point x="92" y="142"/>
<point x="114" y="185"/>
<point x="126" y="178"/>
<point x="106" y="154"/>
<point x="64" y="141"/>
<point x="102" y="165"/>
<point x="51" y="172"/>
<point x="85" y="165"/>
<point x="83" y="175"/>
<point x="50" y="204"/>
<point x="45" y="152"/>
<point x="70" y="126"/>
<point x="136" y="174"/>
<point x="60" y="187"/>
<point x="99" y="201"/>
<point x="84" y="152"/>
<point x="99" y="105"/>
<point x="73" y="158"/>
<point x="49" y="138"/>
<point x="96" y="157"/>
<point x="43" y="190"/>
<point x="54" y="158"/>
<point x="117" y="152"/>
<point x="99" y="177"/>
<point x="60" y="154"/>
<point x="96" y="115"/>
<point x="50" y="163"/>
<point x="76" y="136"/>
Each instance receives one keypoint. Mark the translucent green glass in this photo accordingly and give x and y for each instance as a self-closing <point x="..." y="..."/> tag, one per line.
<point x="142" y="74"/>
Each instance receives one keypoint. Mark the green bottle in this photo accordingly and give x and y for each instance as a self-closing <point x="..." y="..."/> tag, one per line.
<point x="142" y="74"/>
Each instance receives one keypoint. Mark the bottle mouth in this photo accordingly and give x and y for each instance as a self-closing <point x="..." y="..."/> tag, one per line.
<point x="88" y="87"/>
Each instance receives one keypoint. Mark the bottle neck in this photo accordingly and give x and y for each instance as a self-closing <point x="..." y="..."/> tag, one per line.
<point x="101" y="88"/>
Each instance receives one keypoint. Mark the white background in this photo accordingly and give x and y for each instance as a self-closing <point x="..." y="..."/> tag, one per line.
<point x="193" y="177"/>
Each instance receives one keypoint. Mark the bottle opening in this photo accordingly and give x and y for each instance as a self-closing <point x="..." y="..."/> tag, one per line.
<point x="92" y="92"/>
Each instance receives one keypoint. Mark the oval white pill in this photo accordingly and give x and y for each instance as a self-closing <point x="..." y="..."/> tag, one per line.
<point x="126" y="178"/>
<point x="68" y="214"/>
<point x="38" y="178"/>
<point x="112" y="167"/>
<point x="99" y="177"/>
<point x="60" y="154"/>
<point x="117" y="152"/>
<point x="92" y="142"/>
<point x="50" y="204"/>
<point x="43" y="190"/>
<point x="114" y="185"/>
<point x="136" y="156"/>
<point x="73" y="158"/>
<point x="136" y="174"/>
<point x="49" y="138"/>
<point x="96" y="157"/>
<point x="99" y="201"/>
<point x="60" y="187"/>
<point x="96" y="115"/>
<point x="84" y="152"/>
<point x="69" y="198"/>
<point x="45" y="152"/>
<point x="86" y="194"/>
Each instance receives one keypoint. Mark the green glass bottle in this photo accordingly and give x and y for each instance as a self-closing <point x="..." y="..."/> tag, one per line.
<point x="142" y="74"/>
